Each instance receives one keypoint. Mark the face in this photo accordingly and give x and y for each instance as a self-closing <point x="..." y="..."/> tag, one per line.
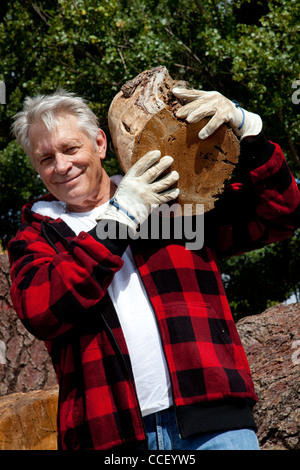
<point x="69" y="165"/>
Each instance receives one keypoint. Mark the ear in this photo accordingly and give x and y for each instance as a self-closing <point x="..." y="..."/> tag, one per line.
<point x="101" y="142"/>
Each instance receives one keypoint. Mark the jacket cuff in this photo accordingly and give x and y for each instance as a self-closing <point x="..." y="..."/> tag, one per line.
<point x="256" y="152"/>
<point x="113" y="235"/>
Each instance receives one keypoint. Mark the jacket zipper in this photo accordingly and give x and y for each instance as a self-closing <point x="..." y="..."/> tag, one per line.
<point x="166" y="361"/>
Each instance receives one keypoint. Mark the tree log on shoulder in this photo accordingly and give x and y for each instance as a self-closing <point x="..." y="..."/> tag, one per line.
<point x="142" y="118"/>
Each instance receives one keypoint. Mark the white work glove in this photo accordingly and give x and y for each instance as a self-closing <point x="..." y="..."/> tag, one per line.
<point x="212" y="103"/>
<point x="138" y="193"/>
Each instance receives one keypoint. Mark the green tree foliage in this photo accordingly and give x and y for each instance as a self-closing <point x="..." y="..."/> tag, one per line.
<point x="246" y="49"/>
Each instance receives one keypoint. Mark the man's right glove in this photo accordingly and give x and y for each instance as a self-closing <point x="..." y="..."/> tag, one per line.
<point x="139" y="192"/>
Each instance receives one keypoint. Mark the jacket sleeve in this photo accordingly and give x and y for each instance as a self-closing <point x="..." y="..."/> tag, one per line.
<point x="263" y="208"/>
<point x="52" y="289"/>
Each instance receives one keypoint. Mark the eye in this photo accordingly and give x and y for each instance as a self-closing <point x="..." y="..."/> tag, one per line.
<point x="45" y="160"/>
<point x="71" y="149"/>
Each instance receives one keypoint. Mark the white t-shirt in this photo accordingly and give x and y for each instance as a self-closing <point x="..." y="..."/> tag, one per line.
<point x="135" y="314"/>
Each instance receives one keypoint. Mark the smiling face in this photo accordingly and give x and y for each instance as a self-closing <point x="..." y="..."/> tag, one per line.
<point x="69" y="164"/>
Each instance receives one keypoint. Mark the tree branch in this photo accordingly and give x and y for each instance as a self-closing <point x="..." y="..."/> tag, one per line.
<point x="122" y="57"/>
<point x="202" y="11"/>
<point x="40" y="13"/>
<point x="208" y="75"/>
<point x="85" y="53"/>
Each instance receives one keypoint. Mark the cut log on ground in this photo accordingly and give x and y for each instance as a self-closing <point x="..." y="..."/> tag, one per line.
<point x="28" y="420"/>
<point x="142" y="118"/>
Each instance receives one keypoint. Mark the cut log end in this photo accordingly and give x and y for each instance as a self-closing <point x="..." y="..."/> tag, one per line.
<point x="142" y="118"/>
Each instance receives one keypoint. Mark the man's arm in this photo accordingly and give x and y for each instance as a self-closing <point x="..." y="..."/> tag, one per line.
<point x="263" y="208"/>
<point x="52" y="289"/>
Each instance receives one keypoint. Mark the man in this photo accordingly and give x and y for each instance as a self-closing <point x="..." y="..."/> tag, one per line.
<point x="140" y="332"/>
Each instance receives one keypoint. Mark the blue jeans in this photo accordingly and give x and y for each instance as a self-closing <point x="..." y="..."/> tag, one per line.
<point x="163" y="434"/>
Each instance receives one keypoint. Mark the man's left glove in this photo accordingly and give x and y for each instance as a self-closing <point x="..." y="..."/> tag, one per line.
<point x="212" y="103"/>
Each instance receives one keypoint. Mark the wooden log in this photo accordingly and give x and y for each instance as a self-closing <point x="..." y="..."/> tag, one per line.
<point x="142" y="118"/>
<point x="271" y="342"/>
<point x="28" y="420"/>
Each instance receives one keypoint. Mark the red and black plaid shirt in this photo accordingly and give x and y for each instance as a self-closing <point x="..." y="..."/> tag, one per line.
<point x="59" y="290"/>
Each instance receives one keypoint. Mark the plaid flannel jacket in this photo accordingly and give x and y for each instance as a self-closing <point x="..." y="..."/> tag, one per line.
<point x="59" y="290"/>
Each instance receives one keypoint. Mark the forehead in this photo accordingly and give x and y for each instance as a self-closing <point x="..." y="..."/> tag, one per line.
<point x="67" y="129"/>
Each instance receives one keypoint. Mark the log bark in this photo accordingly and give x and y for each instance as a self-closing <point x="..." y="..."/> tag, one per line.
<point x="24" y="361"/>
<point x="272" y="344"/>
<point x="142" y="118"/>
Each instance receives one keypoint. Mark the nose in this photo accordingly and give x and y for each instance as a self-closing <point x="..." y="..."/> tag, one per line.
<point x="62" y="164"/>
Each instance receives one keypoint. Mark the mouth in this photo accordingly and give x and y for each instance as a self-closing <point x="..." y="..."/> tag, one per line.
<point x="70" y="180"/>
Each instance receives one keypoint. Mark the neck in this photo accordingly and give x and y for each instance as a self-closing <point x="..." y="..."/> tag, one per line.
<point x="108" y="190"/>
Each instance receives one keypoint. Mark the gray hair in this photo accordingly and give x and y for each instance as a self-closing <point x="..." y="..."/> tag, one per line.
<point x="47" y="108"/>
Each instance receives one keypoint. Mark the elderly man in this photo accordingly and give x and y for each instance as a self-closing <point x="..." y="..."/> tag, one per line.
<point x="140" y="332"/>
